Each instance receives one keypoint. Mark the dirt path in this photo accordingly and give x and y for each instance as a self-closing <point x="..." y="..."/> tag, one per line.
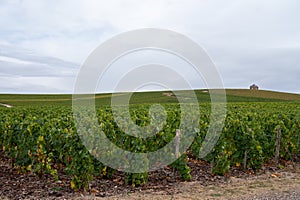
<point x="5" y="105"/>
<point x="284" y="185"/>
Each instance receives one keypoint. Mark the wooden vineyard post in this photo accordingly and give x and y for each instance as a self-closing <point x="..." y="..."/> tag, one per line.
<point x="277" y="146"/>
<point x="245" y="160"/>
<point x="177" y="143"/>
<point x="177" y="140"/>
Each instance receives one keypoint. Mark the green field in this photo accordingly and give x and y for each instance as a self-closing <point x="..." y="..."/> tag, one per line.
<point x="233" y="95"/>
<point x="39" y="136"/>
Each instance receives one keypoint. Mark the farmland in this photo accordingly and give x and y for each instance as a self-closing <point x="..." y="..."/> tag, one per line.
<point x="39" y="137"/>
<point x="233" y="95"/>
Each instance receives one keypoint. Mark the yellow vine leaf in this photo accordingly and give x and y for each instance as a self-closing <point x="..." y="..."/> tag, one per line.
<point x="73" y="186"/>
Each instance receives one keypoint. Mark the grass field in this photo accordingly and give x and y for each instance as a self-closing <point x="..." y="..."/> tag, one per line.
<point x="233" y="95"/>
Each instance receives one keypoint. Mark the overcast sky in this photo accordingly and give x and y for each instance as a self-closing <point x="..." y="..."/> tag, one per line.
<point x="43" y="43"/>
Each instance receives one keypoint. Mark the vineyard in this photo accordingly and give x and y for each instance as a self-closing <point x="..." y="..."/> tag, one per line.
<point x="43" y="139"/>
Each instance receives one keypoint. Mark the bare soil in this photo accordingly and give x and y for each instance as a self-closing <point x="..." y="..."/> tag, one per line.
<point x="268" y="183"/>
<point x="285" y="185"/>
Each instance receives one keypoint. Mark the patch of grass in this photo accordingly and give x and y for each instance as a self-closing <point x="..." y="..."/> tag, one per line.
<point x="216" y="195"/>
<point x="57" y="189"/>
<point x="257" y="185"/>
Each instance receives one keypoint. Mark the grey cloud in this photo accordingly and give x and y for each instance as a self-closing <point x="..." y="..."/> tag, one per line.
<point x="271" y="68"/>
<point x="22" y="71"/>
<point x="34" y="65"/>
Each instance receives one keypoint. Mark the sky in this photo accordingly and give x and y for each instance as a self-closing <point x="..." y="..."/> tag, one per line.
<point x="44" y="43"/>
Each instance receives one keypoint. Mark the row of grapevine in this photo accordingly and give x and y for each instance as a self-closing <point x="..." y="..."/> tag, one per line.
<point x="43" y="140"/>
<point x="249" y="136"/>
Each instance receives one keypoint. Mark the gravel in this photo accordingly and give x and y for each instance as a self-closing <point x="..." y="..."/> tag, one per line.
<point x="277" y="196"/>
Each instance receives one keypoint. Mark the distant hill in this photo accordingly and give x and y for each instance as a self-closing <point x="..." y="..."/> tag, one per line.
<point x="233" y="95"/>
<point x="264" y="94"/>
